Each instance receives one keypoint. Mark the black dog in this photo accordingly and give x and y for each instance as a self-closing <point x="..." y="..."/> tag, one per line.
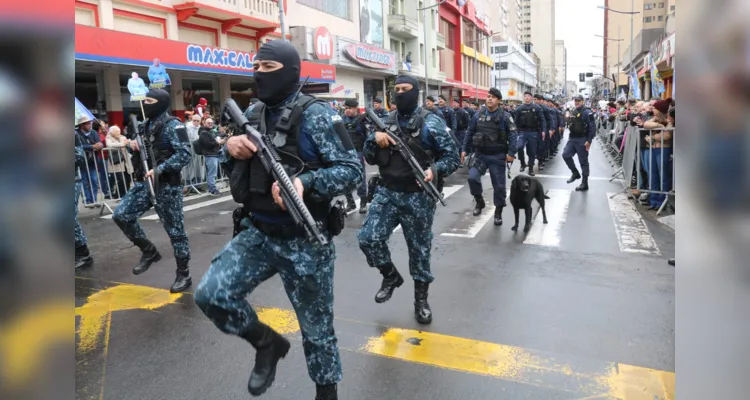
<point x="523" y="189"/>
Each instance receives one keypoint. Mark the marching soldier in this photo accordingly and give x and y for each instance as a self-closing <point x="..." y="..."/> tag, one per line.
<point x="581" y="135"/>
<point x="377" y="106"/>
<point x="399" y="199"/>
<point x="311" y="138"/>
<point x="166" y="138"/>
<point x="491" y="135"/>
<point x="355" y="126"/>
<point x="531" y="122"/>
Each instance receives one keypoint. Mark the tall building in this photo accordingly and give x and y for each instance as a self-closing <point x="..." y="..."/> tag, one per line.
<point x="647" y="26"/>
<point x="538" y="21"/>
<point x="561" y="64"/>
<point x="515" y="20"/>
<point x="571" y="89"/>
<point x="514" y="71"/>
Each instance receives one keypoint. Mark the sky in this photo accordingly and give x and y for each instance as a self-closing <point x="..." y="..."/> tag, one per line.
<point x="576" y="22"/>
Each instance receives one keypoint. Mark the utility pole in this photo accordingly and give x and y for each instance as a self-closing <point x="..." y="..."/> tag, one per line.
<point x="282" y="20"/>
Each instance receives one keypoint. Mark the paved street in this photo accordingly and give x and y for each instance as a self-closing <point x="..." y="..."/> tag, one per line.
<point x="580" y="308"/>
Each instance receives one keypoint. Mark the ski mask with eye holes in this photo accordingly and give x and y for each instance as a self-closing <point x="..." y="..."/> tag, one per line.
<point x="274" y="87"/>
<point x="406" y="102"/>
<point x="160" y="107"/>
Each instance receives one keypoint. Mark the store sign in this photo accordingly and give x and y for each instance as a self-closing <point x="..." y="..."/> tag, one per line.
<point x="369" y="56"/>
<point x="219" y="57"/>
<point x="323" y="43"/>
<point x="123" y="48"/>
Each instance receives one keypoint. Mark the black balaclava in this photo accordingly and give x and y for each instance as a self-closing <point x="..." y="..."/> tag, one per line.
<point x="406" y="102"/>
<point x="160" y="107"/>
<point x="274" y="87"/>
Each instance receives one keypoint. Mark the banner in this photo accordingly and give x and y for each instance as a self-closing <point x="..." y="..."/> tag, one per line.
<point x="635" y="87"/>
<point x="137" y="88"/>
<point x="82" y="113"/>
<point x="657" y="84"/>
<point x="371" y="22"/>
<point x="157" y="75"/>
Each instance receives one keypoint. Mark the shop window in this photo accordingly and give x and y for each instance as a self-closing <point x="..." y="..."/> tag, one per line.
<point x="336" y="8"/>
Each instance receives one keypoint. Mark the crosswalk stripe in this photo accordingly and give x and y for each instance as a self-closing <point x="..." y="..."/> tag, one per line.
<point x="633" y="235"/>
<point x="194" y="206"/>
<point x="549" y="234"/>
<point x="447" y="192"/>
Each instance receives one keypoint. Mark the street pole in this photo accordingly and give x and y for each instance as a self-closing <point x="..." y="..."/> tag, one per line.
<point x="282" y="20"/>
<point x="619" y="62"/>
<point x="476" y="70"/>
<point x="632" y="17"/>
<point x="424" y="25"/>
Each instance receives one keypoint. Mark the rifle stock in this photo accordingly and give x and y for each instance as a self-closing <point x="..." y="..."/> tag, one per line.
<point x="408" y="155"/>
<point x="151" y="182"/>
<point x="271" y="161"/>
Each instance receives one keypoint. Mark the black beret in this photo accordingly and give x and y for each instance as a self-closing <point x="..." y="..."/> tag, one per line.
<point x="496" y="92"/>
<point x="351" y="103"/>
<point x="442" y="96"/>
<point x="378" y="100"/>
<point x="538" y="96"/>
<point x="431" y="98"/>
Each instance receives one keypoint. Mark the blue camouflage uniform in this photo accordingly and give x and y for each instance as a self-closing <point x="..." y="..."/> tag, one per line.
<point x="79" y="160"/>
<point x="169" y="190"/>
<point x="493" y="138"/>
<point x="358" y="133"/>
<point x="413" y="209"/>
<point x="530" y="122"/>
<point x="305" y="267"/>
<point x="581" y="131"/>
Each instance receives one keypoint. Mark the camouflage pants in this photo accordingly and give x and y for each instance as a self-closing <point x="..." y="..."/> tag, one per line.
<point x="169" y="208"/>
<point x="306" y="270"/>
<point x="415" y="212"/>
<point x="78" y="231"/>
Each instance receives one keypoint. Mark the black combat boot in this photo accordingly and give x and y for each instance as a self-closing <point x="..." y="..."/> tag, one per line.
<point x="479" y="206"/>
<point x="150" y="256"/>
<point x="350" y="204"/>
<point x="391" y="280"/>
<point x="523" y="168"/>
<point x="183" y="279"/>
<point x="531" y="170"/>
<point x="671" y="262"/>
<point x="270" y="347"/>
<point x="576" y="176"/>
<point x="363" y="205"/>
<point x="422" y="310"/>
<point x="327" y="392"/>
<point x="541" y="165"/>
<point x="83" y="258"/>
<point x="498" y="216"/>
<point x="584" y="186"/>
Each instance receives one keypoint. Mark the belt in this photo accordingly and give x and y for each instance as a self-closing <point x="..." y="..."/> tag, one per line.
<point x="405" y="186"/>
<point x="278" y="230"/>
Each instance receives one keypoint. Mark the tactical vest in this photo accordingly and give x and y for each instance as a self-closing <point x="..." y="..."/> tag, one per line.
<point x="395" y="171"/>
<point x="577" y="124"/>
<point x="489" y="138"/>
<point x="462" y="119"/>
<point x="253" y="188"/>
<point x="358" y="139"/>
<point x="527" y="120"/>
<point x="158" y="148"/>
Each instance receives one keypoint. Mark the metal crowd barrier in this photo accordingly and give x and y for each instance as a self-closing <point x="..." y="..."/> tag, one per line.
<point x="104" y="186"/>
<point x="656" y="162"/>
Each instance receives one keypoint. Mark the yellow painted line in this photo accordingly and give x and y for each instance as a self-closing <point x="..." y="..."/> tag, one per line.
<point x="611" y="380"/>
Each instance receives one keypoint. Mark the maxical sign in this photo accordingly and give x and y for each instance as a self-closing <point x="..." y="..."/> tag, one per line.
<point x="219" y="57"/>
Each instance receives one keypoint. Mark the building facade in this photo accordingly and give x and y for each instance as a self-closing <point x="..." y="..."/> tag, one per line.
<point x="205" y="50"/>
<point x="539" y="29"/>
<point x="514" y="71"/>
<point x="515" y="21"/>
<point x="561" y="64"/>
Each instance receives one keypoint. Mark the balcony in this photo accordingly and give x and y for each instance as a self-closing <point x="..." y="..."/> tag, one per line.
<point x="416" y="70"/>
<point x="403" y="27"/>
<point x="440" y="44"/>
<point x="254" y="13"/>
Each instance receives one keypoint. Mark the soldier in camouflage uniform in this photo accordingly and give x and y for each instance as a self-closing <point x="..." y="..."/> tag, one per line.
<point x="399" y="200"/>
<point x="83" y="257"/>
<point x="166" y="137"/>
<point x="271" y="243"/>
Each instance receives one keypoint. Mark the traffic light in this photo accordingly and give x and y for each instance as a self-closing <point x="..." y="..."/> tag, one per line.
<point x="581" y="77"/>
<point x="589" y="74"/>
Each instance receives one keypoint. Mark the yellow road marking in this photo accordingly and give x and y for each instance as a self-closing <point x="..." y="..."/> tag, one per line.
<point x="116" y="298"/>
<point x="282" y="321"/>
<point x="609" y="380"/>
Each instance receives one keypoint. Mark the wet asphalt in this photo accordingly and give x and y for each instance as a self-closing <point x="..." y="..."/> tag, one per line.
<point x="584" y="301"/>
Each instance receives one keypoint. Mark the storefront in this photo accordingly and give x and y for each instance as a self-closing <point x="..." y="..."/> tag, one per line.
<point x="361" y="69"/>
<point x="105" y="60"/>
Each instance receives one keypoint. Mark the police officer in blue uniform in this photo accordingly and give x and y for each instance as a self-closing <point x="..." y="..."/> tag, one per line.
<point x="450" y="117"/>
<point x="355" y="126"/>
<point x="494" y="141"/>
<point x="377" y="107"/>
<point x="399" y="200"/>
<point x="467" y="108"/>
<point x="530" y="122"/>
<point x="462" y="122"/>
<point x="83" y="257"/>
<point x="312" y="140"/>
<point x="166" y="138"/>
<point x="560" y="129"/>
<point x="430" y="105"/>
<point x="543" y="138"/>
<point x="579" y="142"/>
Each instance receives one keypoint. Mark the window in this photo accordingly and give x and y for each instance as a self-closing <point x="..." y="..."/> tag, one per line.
<point x="504" y="65"/>
<point x="393" y="4"/>
<point x="449" y="39"/>
<point x="497" y="66"/>
<point x="503" y="49"/>
<point x="434" y="57"/>
<point x="648" y="19"/>
<point x="421" y="12"/>
<point x="336" y="8"/>
<point x="648" y="6"/>
<point x="661" y="18"/>
<point x="661" y="5"/>
<point x="671" y="8"/>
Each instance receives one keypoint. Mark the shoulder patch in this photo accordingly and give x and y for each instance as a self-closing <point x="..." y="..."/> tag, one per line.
<point x="336" y="118"/>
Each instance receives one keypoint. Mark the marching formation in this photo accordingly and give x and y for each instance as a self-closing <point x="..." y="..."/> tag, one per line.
<point x="292" y="158"/>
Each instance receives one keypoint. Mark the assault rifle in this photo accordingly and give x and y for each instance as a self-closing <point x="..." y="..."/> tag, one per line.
<point x="136" y="135"/>
<point x="408" y="155"/>
<point x="272" y="162"/>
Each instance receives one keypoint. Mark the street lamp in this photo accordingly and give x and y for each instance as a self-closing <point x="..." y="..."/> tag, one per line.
<point x="632" y="13"/>
<point x="424" y="25"/>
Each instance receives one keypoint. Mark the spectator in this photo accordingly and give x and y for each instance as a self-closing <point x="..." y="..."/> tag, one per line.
<point x="211" y="143"/>
<point x="120" y="165"/>
<point x="661" y="156"/>
<point x="192" y="171"/>
<point x="105" y="178"/>
<point x="89" y="141"/>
